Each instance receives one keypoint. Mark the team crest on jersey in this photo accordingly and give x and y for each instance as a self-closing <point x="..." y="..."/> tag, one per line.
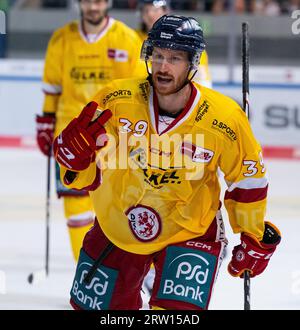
<point x="197" y="154"/>
<point x="144" y="222"/>
<point x="118" y="55"/>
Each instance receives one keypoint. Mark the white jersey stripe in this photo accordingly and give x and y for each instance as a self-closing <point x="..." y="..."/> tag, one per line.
<point x="182" y="120"/>
<point x="110" y="22"/>
<point x="51" y="89"/>
<point x="82" y="216"/>
<point x="249" y="183"/>
<point x="151" y="108"/>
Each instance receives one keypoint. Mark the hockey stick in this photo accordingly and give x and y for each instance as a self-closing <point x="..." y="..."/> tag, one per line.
<point x="98" y="262"/>
<point x="40" y="275"/>
<point x="245" y="69"/>
<point x="245" y="63"/>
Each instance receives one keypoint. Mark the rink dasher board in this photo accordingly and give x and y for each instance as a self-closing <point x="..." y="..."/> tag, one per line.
<point x="274" y="107"/>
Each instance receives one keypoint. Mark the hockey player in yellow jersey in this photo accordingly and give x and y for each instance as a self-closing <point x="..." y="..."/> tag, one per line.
<point x="81" y="58"/>
<point x="150" y="12"/>
<point x="150" y="162"/>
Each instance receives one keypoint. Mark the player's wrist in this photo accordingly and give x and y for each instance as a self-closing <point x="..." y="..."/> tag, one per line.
<point x="271" y="237"/>
<point x="48" y="114"/>
<point x="70" y="177"/>
<point x="254" y="248"/>
<point x="45" y="118"/>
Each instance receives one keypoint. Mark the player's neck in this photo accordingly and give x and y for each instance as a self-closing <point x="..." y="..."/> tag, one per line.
<point x="174" y="103"/>
<point x="94" y="29"/>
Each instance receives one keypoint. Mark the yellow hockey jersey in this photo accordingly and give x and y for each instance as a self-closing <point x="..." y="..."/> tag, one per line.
<point x="157" y="189"/>
<point x="76" y="68"/>
<point x="203" y="76"/>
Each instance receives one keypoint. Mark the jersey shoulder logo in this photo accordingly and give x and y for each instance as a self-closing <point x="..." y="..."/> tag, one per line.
<point x="202" y="111"/>
<point x="120" y="94"/>
<point x="224" y="128"/>
<point x="144" y="90"/>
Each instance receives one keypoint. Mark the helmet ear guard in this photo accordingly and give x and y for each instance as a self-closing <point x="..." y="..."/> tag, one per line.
<point x="195" y="60"/>
<point x="146" y="50"/>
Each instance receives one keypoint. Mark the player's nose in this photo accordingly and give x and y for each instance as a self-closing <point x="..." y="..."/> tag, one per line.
<point x="164" y="65"/>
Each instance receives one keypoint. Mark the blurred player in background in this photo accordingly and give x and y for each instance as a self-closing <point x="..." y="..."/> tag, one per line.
<point x="81" y="58"/>
<point x="150" y="11"/>
<point x="162" y="209"/>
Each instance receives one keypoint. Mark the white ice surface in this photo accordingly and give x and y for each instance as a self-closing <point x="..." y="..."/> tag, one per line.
<point x="22" y="241"/>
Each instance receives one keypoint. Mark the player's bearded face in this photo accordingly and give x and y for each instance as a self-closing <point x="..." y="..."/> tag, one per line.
<point x="169" y="70"/>
<point x="93" y="11"/>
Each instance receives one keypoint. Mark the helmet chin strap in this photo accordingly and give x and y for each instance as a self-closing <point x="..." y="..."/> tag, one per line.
<point x="186" y="82"/>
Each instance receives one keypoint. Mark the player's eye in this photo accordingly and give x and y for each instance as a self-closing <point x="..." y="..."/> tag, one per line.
<point x="176" y="59"/>
<point x="157" y="57"/>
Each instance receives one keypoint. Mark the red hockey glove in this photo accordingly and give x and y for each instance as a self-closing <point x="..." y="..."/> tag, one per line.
<point x="75" y="147"/>
<point x="254" y="255"/>
<point x="45" y="130"/>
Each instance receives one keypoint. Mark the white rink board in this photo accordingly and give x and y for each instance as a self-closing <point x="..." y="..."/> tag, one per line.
<point x="20" y="102"/>
<point x="274" y="112"/>
<point x="274" y="99"/>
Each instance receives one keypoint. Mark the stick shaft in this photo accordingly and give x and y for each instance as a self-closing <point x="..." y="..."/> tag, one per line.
<point x="48" y="213"/>
<point x="245" y="63"/>
<point x="98" y="262"/>
<point x="247" y="290"/>
<point x="40" y="275"/>
<point x="245" y="83"/>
